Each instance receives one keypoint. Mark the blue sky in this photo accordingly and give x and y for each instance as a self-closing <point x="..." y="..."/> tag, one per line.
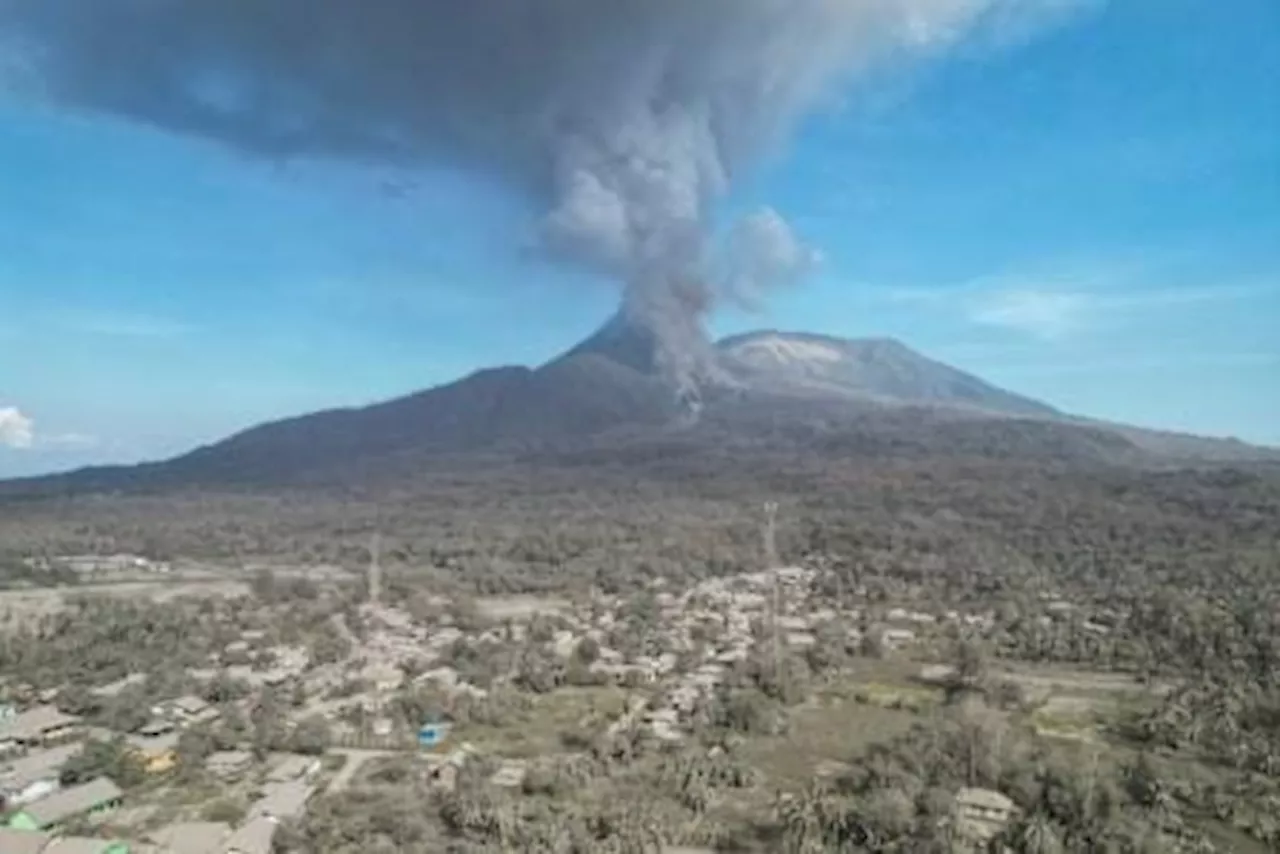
<point x="1091" y="218"/>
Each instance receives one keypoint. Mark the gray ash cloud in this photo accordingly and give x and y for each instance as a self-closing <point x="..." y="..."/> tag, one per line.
<point x="624" y="121"/>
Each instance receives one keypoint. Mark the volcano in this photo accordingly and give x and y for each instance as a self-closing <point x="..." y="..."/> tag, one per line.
<point x="629" y="381"/>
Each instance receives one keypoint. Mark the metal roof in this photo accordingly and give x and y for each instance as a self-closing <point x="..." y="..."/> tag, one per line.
<point x="73" y="801"/>
<point x="22" y="841"/>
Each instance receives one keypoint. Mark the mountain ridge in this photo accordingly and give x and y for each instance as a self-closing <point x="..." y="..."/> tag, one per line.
<point x="874" y="395"/>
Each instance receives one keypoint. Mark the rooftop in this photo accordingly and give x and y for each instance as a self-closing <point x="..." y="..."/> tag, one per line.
<point x="155" y="743"/>
<point x="34" y="721"/>
<point x="252" y="837"/>
<point x="73" y="801"/>
<point x="35" y="766"/>
<point x="22" y="841"/>
<point x="284" y="800"/>
<point x="79" y="845"/>
<point x="985" y="799"/>
<point x="193" y="837"/>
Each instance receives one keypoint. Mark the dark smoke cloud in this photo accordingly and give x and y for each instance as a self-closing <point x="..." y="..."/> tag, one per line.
<point x="624" y="120"/>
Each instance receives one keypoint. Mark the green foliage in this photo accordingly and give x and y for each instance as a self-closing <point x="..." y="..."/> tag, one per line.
<point x="111" y="759"/>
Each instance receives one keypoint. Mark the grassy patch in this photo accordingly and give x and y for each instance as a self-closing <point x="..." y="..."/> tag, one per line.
<point x="538" y="731"/>
<point x="838" y="725"/>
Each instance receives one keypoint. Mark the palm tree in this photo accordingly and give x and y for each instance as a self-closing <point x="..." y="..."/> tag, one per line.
<point x="1037" y="834"/>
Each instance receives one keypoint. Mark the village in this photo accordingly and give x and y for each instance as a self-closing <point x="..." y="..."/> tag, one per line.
<point x="264" y="727"/>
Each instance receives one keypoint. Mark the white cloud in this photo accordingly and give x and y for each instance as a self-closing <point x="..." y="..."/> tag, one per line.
<point x="69" y="441"/>
<point x="1044" y="314"/>
<point x="16" y="429"/>
<point x="1054" y="307"/>
<point x="18" y="432"/>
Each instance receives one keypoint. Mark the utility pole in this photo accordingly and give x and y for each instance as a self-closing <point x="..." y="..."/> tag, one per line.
<point x="375" y="568"/>
<point x="771" y="564"/>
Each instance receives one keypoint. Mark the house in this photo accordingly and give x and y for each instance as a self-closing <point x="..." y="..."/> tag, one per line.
<point x="980" y="814"/>
<point x="228" y="764"/>
<point x="283" y="800"/>
<point x="157" y="753"/>
<point x="292" y="768"/>
<point x="39" y="726"/>
<point x="22" y="841"/>
<point x="896" y="638"/>
<point x="96" y="796"/>
<point x="253" y="837"/>
<point x="433" y="734"/>
<point x="510" y="775"/>
<point x="34" y="776"/>
<point x="115" y="689"/>
<point x="190" y="709"/>
<point x="193" y="837"/>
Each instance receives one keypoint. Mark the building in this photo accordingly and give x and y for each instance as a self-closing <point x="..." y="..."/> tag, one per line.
<point x="40" y="726"/>
<point x="283" y="800"/>
<point x="22" y="841"/>
<point x="433" y="734"/>
<point x="253" y="837"/>
<point x="84" y="845"/>
<point x="33" y="776"/>
<point x="96" y="796"/>
<point x="229" y="764"/>
<point x="292" y="768"/>
<point x="980" y="814"/>
<point x="158" y="754"/>
<point x="194" y="837"/>
<point x="115" y="689"/>
<point x="188" y="709"/>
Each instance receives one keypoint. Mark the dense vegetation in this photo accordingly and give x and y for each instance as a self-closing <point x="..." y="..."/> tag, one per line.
<point x="1172" y="574"/>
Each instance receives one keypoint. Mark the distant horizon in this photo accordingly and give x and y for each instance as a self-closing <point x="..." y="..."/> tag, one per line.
<point x="1086" y="215"/>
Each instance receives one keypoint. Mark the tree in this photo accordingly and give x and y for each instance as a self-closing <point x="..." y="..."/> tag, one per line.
<point x="311" y="736"/>
<point x="113" y="759"/>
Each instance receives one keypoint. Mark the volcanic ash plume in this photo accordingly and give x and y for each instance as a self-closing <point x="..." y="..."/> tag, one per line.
<point x="624" y="121"/>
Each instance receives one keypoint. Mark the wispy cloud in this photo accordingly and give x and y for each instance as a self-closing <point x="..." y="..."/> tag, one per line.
<point x="1045" y="314"/>
<point x="1055" y="307"/>
<point x="1133" y="364"/>
<point x="18" y="432"/>
<point x="69" y="441"/>
<point x="126" y="325"/>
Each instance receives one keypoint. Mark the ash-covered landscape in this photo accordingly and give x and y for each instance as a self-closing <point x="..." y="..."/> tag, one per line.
<point x="666" y="590"/>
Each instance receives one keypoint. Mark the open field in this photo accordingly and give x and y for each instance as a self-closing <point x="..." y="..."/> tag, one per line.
<point x="500" y="608"/>
<point x="539" y="731"/>
<point x="25" y="605"/>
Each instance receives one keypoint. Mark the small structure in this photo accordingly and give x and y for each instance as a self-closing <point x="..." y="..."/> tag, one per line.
<point x="41" y="726"/>
<point x="292" y="768"/>
<point x="283" y="800"/>
<point x="22" y="841"/>
<point x="253" y="837"/>
<point x="96" y="796"/>
<point x="897" y="638"/>
<point x="157" y="728"/>
<point x="190" y="709"/>
<point x="433" y="734"/>
<point x="229" y="764"/>
<point x="158" y="754"/>
<point x="194" y="837"/>
<point x="115" y="689"/>
<point x="980" y="814"/>
<point x="85" y="845"/>
<point x="510" y="775"/>
<point x="33" y="777"/>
